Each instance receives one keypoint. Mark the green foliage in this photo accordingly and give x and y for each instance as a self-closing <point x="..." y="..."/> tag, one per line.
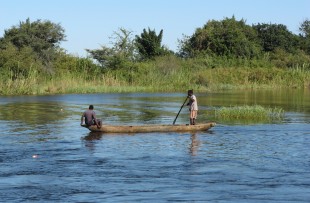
<point x="16" y="63"/>
<point x="119" y="55"/>
<point x="305" y="28"/>
<point x="232" y="43"/>
<point x="104" y="56"/>
<point x="221" y="55"/>
<point x="40" y="35"/>
<point x="281" y="59"/>
<point x="124" y="44"/>
<point x="164" y="74"/>
<point x="305" y="36"/>
<point x="43" y="37"/>
<point x="149" y="44"/>
<point x="256" y="113"/>
<point x="276" y="36"/>
<point x="228" y="37"/>
<point x="79" y="66"/>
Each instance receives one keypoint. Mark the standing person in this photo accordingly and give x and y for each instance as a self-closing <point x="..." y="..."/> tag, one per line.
<point x="193" y="106"/>
<point x="90" y="117"/>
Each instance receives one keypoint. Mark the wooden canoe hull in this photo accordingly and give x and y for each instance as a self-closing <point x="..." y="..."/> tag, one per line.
<point x="151" y="128"/>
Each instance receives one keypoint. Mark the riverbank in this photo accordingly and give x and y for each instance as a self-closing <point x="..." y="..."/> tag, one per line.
<point x="156" y="79"/>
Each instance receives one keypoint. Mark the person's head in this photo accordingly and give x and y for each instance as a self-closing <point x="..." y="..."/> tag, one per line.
<point x="190" y="92"/>
<point x="91" y="107"/>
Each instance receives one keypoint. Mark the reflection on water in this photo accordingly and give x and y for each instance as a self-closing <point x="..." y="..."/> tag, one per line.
<point x="195" y="143"/>
<point x="90" y="140"/>
<point x="33" y="113"/>
<point x="288" y="99"/>
<point x="143" y="108"/>
<point x="139" y="109"/>
<point x="93" y="136"/>
<point x="46" y="156"/>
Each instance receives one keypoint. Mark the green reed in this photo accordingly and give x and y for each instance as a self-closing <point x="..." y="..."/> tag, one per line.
<point x="253" y="113"/>
<point x="165" y="74"/>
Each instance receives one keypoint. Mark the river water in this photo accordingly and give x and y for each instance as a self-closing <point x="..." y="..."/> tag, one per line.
<point x="45" y="156"/>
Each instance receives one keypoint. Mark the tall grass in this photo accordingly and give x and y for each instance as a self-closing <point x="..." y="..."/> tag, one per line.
<point x="165" y="74"/>
<point x="253" y="113"/>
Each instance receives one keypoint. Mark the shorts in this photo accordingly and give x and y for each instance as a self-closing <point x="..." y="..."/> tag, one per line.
<point x="193" y="114"/>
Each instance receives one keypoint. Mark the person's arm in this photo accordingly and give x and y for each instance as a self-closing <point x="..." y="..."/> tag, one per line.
<point x="191" y="100"/>
<point x="95" y="120"/>
<point x="82" y="119"/>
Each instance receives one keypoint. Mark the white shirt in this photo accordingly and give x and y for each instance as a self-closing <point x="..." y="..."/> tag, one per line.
<point x="194" y="105"/>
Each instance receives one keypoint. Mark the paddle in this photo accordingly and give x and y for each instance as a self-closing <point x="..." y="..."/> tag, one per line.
<point x="179" y="111"/>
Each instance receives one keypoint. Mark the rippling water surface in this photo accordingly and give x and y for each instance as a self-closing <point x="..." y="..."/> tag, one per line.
<point x="46" y="156"/>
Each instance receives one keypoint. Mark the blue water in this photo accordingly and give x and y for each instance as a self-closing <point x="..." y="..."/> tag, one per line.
<point x="46" y="156"/>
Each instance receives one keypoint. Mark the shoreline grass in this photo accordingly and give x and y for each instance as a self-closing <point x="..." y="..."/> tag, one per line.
<point x="152" y="78"/>
<point x="253" y="113"/>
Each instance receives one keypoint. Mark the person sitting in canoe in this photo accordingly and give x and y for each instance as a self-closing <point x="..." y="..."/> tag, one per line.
<point x="193" y="106"/>
<point x="90" y="118"/>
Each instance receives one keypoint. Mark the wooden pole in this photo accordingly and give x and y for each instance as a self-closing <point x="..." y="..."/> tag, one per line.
<point x="179" y="111"/>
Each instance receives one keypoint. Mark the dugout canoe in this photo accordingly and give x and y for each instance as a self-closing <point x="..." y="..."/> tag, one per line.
<point x="151" y="128"/>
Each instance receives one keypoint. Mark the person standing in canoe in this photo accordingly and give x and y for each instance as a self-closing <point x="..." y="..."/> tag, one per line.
<point x="193" y="106"/>
<point x="90" y="117"/>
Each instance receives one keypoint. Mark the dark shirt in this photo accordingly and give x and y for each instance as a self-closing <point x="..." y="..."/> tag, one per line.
<point x="89" y="115"/>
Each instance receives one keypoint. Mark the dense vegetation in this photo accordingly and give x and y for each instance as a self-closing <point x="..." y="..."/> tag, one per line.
<point x="219" y="55"/>
<point x="249" y="113"/>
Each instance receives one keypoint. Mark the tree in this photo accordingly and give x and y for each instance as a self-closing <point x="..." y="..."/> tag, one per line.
<point x="305" y="28"/>
<point x="276" y="36"/>
<point x="15" y="63"/>
<point x="43" y="37"/>
<point x="40" y="35"/>
<point x="149" y="44"/>
<point x="305" y="35"/>
<point x="121" y="52"/>
<point x="228" y="37"/>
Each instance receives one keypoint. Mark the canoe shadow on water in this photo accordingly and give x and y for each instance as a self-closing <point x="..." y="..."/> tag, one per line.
<point x="98" y="135"/>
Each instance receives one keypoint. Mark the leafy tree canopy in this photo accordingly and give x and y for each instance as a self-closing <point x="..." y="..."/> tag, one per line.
<point x="149" y="44"/>
<point x="228" y="37"/>
<point x="40" y="35"/>
<point x="122" y="50"/>
<point x="276" y="36"/>
<point x="305" y="36"/>
<point x="305" y="28"/>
